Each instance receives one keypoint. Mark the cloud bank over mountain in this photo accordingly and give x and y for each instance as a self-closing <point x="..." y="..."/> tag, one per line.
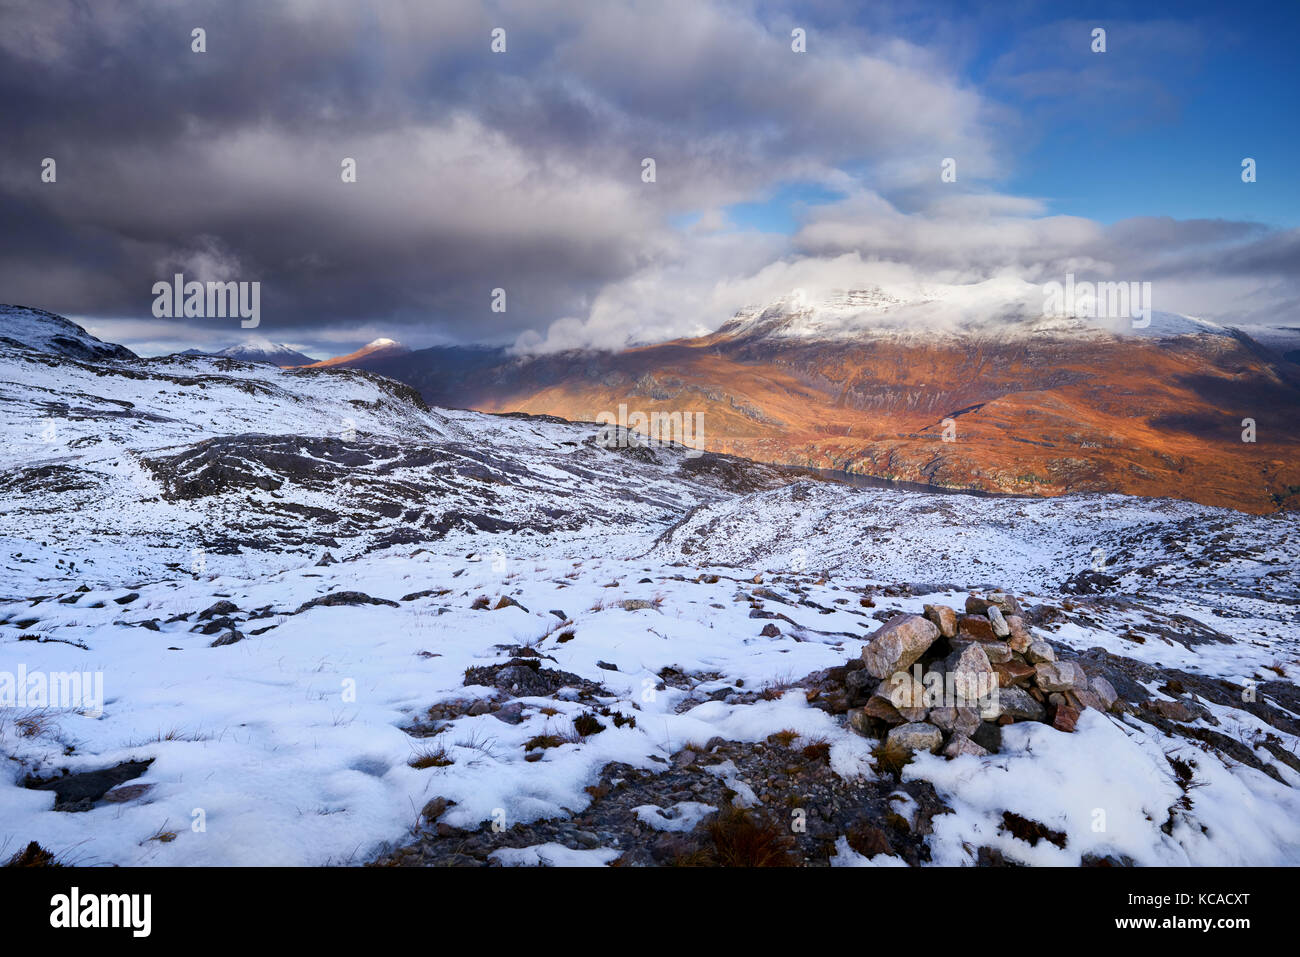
<point x="522" y="170"/>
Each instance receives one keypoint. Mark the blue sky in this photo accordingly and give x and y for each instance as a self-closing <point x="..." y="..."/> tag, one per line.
<point x="1233" y="94"/>
<point x="1157" y="126"/>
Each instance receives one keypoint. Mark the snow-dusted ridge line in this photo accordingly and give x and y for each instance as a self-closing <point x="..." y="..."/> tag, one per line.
<point x="259" y="350"/>
<point x="28" y="328"/>
<point x="997" y="309"/>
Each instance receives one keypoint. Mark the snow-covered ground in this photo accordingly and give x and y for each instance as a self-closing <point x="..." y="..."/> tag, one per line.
<point x="163" y="522"/>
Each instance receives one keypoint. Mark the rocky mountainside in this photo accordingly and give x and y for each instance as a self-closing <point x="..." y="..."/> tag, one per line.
<point x="1026" y="405"/>
<point x="329" y="623"/>
<point x="240" y="458"/>
<point x="25" y="327"/>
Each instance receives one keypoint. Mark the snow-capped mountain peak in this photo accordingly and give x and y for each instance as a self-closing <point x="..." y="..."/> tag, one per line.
<point x="380" y="348"/>
<point x="1000" y="308"/>
<point x="264" y="350"/>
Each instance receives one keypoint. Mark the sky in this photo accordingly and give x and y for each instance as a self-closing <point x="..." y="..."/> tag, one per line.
<point x="523" y="170"/>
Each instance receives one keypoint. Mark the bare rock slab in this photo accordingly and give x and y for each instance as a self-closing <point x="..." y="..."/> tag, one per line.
<point x="898" y="643"/>
<point x="914" y="736"/>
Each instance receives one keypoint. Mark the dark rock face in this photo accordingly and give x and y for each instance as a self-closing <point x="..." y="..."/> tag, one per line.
<point x="407" y="493"/>
<point x="344" y="598"/>
<point x="80" y="791"/>
<point x="222" y="608"/>
<point x="526" y="678"/>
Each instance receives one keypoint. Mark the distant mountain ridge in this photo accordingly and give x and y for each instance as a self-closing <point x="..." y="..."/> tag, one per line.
<point x="258" y="350"/>
<point x="871" y="382"/>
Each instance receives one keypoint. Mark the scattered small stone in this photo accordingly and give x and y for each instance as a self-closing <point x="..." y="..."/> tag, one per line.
<point x="1013" y="672"/>
<point x="956" y="721"/>
<point x="880" y="708"/>
<point x="975" y="628"/>
<point x="1020" y="638"/>
<point x="999" y="652"/>
<point x="221" y="608"/>
<point x="231" y="637"/>
<point x="343" y="598"/>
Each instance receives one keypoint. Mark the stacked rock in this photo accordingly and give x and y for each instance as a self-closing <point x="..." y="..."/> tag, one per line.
<point x="949" y="681"/>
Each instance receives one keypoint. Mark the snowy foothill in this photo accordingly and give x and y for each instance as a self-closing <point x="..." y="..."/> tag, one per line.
<point x="332" y="624"/>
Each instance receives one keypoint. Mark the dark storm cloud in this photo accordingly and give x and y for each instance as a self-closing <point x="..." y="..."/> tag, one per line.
<point x="475" y="170"/>
<point x="229" y="159"/>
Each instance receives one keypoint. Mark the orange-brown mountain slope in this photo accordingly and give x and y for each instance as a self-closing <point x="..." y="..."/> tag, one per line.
<point x="1032" y="415"/>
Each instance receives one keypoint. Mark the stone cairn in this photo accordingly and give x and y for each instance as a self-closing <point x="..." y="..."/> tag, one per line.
<point x="948" y="682"/>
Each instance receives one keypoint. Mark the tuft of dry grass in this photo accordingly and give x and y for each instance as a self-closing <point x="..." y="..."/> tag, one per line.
<point x="744" y="838"/>
<point x="586" y="724"/>
<point x="868" y="840"/>
<point x="890" y="761"/>
<point x="774" y="689"/>
<point x="431" y="758"/>
<point x="162" y="835"/>
<point x="177" y="734"/>
<point x="817" y="749"/>
<point x="33" y="855"/>
<point x="36" y="723"/>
